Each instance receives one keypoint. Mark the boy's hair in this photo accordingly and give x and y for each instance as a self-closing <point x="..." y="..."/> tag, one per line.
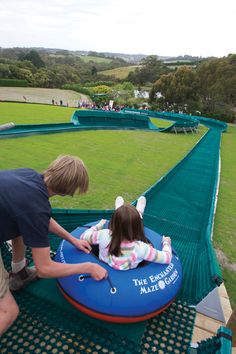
<point x="125" y="225"/>
<point x="66" y="175"/>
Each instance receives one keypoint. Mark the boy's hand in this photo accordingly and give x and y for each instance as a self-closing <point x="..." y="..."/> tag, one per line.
<point x="82" y="245"/>
<point x="97" y="272"/>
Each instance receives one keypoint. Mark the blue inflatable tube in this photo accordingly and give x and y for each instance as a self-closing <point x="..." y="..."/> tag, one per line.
<point x="125" y="296"/>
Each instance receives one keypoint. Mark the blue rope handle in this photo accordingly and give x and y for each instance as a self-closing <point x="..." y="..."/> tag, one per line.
<point x="86" y="276"/>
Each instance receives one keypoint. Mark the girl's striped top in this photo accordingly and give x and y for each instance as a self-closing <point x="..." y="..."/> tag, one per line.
<point x="132" y="253"/>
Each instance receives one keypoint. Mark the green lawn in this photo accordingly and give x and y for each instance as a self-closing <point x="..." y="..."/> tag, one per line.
<point x="21" y="113"/>
<point x="88" y="58"/>
<point x="225" y="225"/>
<point x="120" y="73"/>
<point x="121" y="162"/>
<point x="225" y="221"/>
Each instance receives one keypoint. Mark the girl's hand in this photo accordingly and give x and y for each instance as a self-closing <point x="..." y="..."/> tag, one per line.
<point x="166" y="239"/>
<point x="82" y="245"/>
<point x="100" y="225"/>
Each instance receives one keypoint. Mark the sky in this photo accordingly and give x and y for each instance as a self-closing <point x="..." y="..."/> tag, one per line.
<point x="158" y="27"/>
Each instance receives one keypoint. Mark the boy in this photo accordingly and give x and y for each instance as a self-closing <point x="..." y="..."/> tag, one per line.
<point x="25" y="219"/>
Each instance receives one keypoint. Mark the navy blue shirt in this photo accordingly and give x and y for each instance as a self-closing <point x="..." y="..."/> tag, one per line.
<point x="24" y="207"/>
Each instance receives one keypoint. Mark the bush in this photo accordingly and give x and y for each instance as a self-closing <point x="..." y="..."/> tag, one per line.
<point x="221" y="111"/>
<point x="223" y="115"/>
<point x="13" y="83"/>
<point x="77" y="88"/>
<point x="101" y="89"/>
<point x="98" y="83"/>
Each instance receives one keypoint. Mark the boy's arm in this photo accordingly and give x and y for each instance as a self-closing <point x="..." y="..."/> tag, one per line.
<point x="58" y="230"/>
<point x="47" y="268"/>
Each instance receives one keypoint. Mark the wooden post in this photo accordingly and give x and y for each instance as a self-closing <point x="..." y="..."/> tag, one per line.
<point x="231" y="324"/>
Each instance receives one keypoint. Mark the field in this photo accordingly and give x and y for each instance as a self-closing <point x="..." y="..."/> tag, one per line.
<point x="88" y="58"/>
<point x="41" y="95"/>
<point x="122" y="162"/>
<point x="225" y="221"/>
<point x="21" y="113"/>
<point x="120" y="73"/>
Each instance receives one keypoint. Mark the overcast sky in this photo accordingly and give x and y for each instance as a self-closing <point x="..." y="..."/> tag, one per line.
<point x="166" y="28"/>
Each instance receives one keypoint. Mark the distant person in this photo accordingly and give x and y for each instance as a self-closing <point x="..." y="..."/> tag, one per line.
<point x="123" y="245"/>
<point x="25" y="219"/>
<point x="61" y="103"/>
<point x="53" y="102"/>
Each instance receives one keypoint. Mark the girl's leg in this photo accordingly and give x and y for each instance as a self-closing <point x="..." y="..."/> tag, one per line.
<point x="140" y="206"/>
<point x="119" y="202"/>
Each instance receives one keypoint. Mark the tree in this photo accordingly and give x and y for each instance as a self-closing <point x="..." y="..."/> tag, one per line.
<point x="4" y="71"/>
<point x="151" y="69"/>
<point x="41" y="78"/>
<point x="34" y="57"/>
<point x="93" y="70"/>
<point x="179" y="89"/>
<point x="101" y="89"/>
<point x="217" y="86"/>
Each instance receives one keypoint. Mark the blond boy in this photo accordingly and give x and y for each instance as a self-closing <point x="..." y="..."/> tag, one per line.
<point x="25" y="219"/>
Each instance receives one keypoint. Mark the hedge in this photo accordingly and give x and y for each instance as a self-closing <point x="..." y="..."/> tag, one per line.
<point x="77" y="88"/>
<point x="13" y="83"/>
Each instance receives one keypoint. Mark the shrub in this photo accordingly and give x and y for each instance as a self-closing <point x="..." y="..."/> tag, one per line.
<point x="77" y="88"/>
<point x="13" y="83"/>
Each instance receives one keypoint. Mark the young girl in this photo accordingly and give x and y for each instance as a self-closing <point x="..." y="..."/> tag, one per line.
<point x="123" y="246"/>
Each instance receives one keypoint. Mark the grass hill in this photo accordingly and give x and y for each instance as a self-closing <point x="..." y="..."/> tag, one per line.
<point x="41" y="95"/>
<point x="119" y="73"/>
<point x="95" y="59"/>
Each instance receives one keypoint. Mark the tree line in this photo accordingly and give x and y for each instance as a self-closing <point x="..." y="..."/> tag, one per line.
<point x="51" y="70"/>
<point x="208" y="87"/>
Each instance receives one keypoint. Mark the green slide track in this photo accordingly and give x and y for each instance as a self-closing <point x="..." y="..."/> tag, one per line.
<point x="182" y="205"/>
<point x="105" y="120"/>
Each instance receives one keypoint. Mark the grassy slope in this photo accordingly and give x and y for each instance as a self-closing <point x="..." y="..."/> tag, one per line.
<point x="225" y="221"/>
<point x="125" y="162"/>
<point x="120" y="73"/>
<point x="33" y="113"/>
<point x="88" y="58"/>
<point x="41" y="95"/>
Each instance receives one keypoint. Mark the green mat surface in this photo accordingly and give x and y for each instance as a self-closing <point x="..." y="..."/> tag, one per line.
<point x="181" y="205"/>
<point x="47" y="290"/>
<point x="49" y="324"/>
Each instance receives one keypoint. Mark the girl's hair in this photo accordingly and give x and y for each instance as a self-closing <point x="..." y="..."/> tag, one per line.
<point x="66" y="175"/>
<point x="125" y="225"/>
